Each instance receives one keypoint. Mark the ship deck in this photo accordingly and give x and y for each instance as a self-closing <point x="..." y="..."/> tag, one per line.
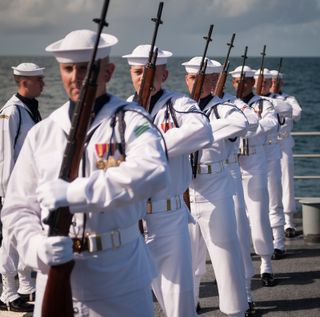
<point x="297" y="293"/>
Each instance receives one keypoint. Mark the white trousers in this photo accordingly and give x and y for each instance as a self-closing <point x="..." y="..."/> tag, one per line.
<point x="256" y="198"/>
<point x="243" y="227"/>
<point x="169" y="245"/>
<point x="287" y="173"/>
<point x="275" y="194"/>
<point x="136" y="304"/>
<point x="276" y="214"/>
<point x="216" y="220"/>
<point x="10" y="266"/>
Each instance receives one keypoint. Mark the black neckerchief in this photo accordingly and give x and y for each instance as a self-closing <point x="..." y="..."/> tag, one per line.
<point x="247" y="98"/>
<point x="32" y="105"/>
<point x="204" y="101"/>
<point x="153" y="100"/>
<point x="268" y="94"/>
<point x="99" y="102"/>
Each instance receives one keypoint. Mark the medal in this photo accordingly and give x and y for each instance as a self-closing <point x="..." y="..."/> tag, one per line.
<point x="100" y="150"/>
<point x="100" y="164"/>
<point x="111" y="162"/>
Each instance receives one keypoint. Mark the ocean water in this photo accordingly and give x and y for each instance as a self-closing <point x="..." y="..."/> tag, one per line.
<point x="301" y="80"/>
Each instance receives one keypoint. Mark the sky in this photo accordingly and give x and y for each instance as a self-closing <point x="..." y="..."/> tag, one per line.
<point x="286" y="27"/>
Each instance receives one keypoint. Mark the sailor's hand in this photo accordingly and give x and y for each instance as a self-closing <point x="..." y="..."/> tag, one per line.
<point x="53" y="194"/>
<point x="55" y="250"/>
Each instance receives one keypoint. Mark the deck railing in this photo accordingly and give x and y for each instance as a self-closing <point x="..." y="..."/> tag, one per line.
<point x="306" y="155"/>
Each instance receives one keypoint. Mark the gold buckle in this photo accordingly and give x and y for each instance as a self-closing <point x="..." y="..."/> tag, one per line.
<point x="115" y="239"/>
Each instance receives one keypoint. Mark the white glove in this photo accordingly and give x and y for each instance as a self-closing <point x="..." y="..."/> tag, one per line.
<point x="53" y="194"/>
<point x="55" y="250"/>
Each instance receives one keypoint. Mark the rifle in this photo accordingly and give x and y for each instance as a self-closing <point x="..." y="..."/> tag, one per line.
<point x="223" y="75"/>
<point x="242" y="74"/>
<point x="57" y="300"/>
<point x="277" y="83"/>
<point x="196" y="94"/>
<point x="260" y="77"/>
<point x="198" y="83"/>
<point x="150" y="68"/>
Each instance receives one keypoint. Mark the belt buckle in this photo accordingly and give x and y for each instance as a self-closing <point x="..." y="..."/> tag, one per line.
<point x="169" y="204"/>
<point x="178" y="202"/>
<point x="115" y="236"/>
<point x="94" y="242"/>
<point x="149" y="206"/>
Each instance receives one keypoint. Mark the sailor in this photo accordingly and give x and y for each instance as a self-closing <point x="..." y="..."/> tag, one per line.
<point x="243" y="226"/>
<point x="286" y="142"/>
<point x="211" y="192"/>
<point x="123" y="164"/>
<point x="17" y="117"/>
<point x="185" y="129"/>
<point x="273" y="154"/>
<point x="253" y="166"/>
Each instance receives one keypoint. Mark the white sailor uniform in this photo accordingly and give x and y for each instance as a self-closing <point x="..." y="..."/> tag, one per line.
<point x="213" y="209"/>
<point x="243" y="227"/>
<point x="114" y="280"/>
<point x="16" y="120"/>
<point x="185" y="130"/>
<point x="253" y="165"/>
<point x="286" y="142"/>
<point x="273" y="154"/>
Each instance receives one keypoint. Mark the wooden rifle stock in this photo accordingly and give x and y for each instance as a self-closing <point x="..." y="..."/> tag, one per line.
<point x="218" y="91"/>
<point x="149" y="71"/>
<point x="260" y="77"/>
<point x="278" y="80"/>
<point x="240" y="87"/>
<point x="259" y="84"/>
<point x="57" y="299"/>
<point x="197" y="87"/>
<point x="147" y="83"/>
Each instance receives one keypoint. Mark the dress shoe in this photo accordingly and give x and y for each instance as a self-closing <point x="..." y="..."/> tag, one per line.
<point x="268" y="280"/>
<point x="20" y="306"/>
<point x="198" y="308"/>
<point x="290" y="233"/>
<point x="3" y="306"/>
<point x="28" y="297"/>
<point x="251" y="311"/>
<point x="278" y="254"/>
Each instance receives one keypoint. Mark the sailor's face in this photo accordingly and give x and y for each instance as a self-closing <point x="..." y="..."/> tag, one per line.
<point x="248" y="83"/>
<point x="34" y="86"/>
<point x="136" y="72"/>
<point x="274" y="86"/>
<point x="72" y="76"/>
<point x="209" y="83"/>
<point x="266" y="85"/>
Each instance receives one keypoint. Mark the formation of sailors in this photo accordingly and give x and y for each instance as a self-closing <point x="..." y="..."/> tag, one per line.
<point x="240" y="186"/>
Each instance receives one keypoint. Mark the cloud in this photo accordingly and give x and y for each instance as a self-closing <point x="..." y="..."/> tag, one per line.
<point x="185" y="22"/>
<point x="41" y="16"/>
